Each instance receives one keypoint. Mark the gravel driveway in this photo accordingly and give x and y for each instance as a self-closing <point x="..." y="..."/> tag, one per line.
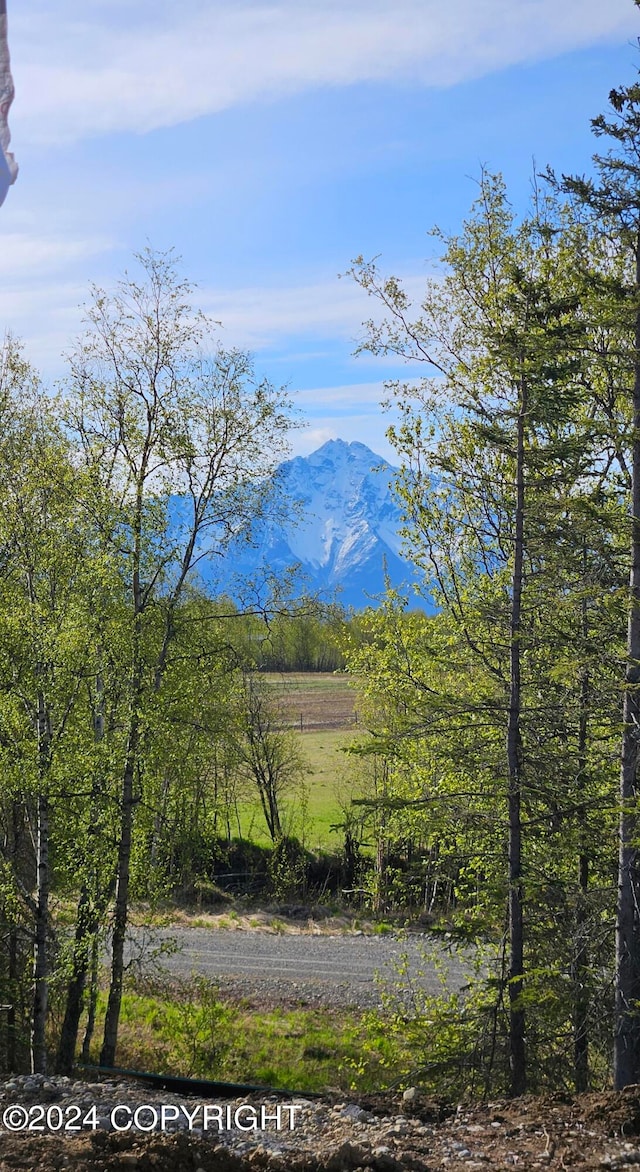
<point x="343" y="970"/>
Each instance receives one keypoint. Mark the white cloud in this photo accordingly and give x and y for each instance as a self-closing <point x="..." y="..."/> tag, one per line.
<point x="43" y="285"/>
<point x="348" y="396"/>
<point x="366" y="429"/>
<point x="348" y="412"/>
<point x="25" y="255"/>
<point x="311" y="438"/>
<point x="44" y="318"/>
<point x="85" y="68"/>
<point x="256" y="317"/>
<point x="42" y="292"/>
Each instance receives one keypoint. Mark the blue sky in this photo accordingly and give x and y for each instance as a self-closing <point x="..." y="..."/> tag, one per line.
<point x="270" y="142"/>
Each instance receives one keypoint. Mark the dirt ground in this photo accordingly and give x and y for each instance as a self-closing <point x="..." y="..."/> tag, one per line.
<point x="557" y="1132"/>
<point x="316" y="700"/>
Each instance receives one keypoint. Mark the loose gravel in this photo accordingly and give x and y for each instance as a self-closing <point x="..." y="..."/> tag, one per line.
<point x="384" y="1133"/>
<point x="341" y="971"/>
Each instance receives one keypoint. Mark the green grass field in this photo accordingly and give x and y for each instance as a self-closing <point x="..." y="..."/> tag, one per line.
<point x="322" y="705"/>
<point x="309" y="815"/>
<point x="186" y="1028"/>
<point x="328" y="766"/>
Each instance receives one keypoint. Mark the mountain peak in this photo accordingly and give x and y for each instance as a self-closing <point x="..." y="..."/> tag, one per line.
<point x="344" y="526"/>
<point x="342" y="448"/>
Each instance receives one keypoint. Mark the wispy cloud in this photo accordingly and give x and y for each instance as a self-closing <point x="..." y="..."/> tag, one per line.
<point x="25" y="255"/>
<point x="261" y="316"/>
<point x="367" y="429"/>
<point x="88" y="67"/>
<point x="41" y="298"/>
<point x="43" y="284"/>
<point x="345" y="398"/>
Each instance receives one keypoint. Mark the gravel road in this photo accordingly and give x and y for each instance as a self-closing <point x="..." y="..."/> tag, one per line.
<point x="343" y="970"/>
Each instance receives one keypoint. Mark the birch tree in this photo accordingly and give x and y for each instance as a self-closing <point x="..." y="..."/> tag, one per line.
<point x="46" y="598"/>
<point x="178" y="439"/>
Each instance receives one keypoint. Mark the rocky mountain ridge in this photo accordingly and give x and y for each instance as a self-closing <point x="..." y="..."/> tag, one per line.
<point x="341" y="528"/>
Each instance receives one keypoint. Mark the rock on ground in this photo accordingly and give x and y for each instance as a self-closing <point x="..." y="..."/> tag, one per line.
<point x="376" y="1133"/>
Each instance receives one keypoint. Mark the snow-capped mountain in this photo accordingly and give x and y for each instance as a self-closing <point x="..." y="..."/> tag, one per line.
<point x="342" y="529"/>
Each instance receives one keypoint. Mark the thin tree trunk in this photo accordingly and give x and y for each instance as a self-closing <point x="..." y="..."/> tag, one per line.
<point x="93" y="1001"/>
<point x="382" y="847"/>
<point x="581" y="964"/>
<point x="40" y="957"/>
<point x="266" y="808"/>
<point x="127" y="803"/>
<point x="43" y="884"/>
<point x="88" y="917"/>
<point x="517" y="1054"/>
<point x="12" y="975"/>
<point x="160" y="819"/>
<point x="626" y="1059"/>
<point x="75" y="988"/>
<point x="275" y="825"/>
<point x="121" y="910"/>
<point x="13" y="967"/>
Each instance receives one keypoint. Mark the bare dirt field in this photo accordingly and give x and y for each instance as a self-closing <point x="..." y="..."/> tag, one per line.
<point x="315" y="700"/>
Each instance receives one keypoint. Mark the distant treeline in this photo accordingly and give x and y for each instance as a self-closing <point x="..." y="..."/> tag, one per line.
<point x="299" y="643"/>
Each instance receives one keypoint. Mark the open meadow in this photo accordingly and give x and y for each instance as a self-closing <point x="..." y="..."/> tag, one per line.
<point x="320" y="707"/>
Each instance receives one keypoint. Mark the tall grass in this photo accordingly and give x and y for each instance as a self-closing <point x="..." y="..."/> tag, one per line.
<point x="185" y="1028"/>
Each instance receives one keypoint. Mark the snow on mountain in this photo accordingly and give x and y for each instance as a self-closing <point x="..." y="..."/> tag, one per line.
<point x="342" y="529"/>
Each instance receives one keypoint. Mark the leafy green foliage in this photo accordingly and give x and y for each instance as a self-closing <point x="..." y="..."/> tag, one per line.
<point x="512" y="496"/>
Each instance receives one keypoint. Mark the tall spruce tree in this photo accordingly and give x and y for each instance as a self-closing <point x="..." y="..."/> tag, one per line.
<point x="613" y="198"/>
<point x="491" y="453"/>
